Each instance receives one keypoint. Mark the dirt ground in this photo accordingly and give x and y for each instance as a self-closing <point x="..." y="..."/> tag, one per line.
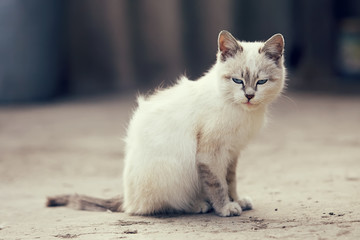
<point x="303" y="173"/>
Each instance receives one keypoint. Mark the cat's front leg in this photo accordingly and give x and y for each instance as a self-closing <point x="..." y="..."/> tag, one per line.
<point x="231" y="180"/>
<point x="216" y="189"/>
<point x="245" y="203"/>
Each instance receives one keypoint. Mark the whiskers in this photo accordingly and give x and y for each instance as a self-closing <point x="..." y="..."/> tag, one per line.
<point x="288" y="100"/>
<point x="265" y="100"/>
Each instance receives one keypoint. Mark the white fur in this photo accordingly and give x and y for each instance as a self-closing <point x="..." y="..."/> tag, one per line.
<point x="160" y="172"/>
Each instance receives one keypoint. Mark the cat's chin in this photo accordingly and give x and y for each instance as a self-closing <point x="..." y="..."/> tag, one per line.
<point x="248" y="106"/>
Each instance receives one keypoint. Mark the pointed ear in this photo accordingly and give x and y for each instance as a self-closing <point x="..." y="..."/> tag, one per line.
<point x="227" y="45"/>
<point x="274" y="47"/>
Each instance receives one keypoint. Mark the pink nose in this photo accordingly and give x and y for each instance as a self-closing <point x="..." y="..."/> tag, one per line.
<point x="249" y="96"/>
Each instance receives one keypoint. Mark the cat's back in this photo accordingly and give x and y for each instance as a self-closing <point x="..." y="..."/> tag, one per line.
<point x="164" y="116"/>
<point x="180" y="94"/>
<point x="170" y="104"/>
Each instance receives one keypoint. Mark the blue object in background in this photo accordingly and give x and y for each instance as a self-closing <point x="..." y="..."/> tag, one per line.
<point x="30" y="49"/>
<point x="349" y="48"/>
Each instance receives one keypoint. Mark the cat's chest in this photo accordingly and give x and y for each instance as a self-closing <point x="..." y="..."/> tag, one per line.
<point x="231" y="130"/>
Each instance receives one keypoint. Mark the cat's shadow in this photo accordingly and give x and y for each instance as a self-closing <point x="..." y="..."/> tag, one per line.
<point x="170" y="215"/>
<point x="167" y="215"/>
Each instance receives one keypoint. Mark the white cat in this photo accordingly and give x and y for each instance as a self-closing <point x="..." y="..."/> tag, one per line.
<point x="183" y="142"/>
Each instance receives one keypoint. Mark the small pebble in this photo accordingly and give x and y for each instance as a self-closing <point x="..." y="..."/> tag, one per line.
<point x="130" y="231"/>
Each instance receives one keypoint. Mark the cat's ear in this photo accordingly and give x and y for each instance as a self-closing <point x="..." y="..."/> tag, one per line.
<point x="227" y="44"/>
<point x="274" y="47"/>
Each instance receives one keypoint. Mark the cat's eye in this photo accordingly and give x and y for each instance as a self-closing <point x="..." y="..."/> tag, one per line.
<point x="238" y="81"/>
<point x="263" y="81"/>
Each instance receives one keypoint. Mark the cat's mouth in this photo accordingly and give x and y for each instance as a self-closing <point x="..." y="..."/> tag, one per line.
<point x="250" y="104"/>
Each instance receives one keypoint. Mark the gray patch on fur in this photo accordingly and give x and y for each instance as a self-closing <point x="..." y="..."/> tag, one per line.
<point x="216" y="191"/>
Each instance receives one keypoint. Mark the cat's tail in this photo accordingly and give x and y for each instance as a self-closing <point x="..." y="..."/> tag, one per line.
<point x="86" y="203"/>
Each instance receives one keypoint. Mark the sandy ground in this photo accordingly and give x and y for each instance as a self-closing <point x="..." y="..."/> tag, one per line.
<point x="303" y="173"/>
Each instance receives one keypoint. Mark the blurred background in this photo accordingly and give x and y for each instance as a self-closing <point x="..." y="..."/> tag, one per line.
<point x="58" y="48"/>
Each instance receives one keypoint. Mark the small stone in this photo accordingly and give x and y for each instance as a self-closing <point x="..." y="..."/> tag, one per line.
<point x="130" y="231"/>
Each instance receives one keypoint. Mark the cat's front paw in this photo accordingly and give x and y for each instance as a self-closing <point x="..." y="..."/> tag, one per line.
<point x="230" y="209"/>
<point x="245" y="203"/>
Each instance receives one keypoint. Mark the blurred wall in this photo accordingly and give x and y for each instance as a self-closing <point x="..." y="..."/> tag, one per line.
<point x="142" y="43"/>
<point x="31" y="49"/>
<point x="75" y="47"/>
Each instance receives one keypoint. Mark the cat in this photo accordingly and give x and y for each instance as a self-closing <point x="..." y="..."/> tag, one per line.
<point x="183" y="142"/>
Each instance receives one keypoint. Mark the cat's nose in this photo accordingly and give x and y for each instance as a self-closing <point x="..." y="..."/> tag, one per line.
<point x="249" y="96"/>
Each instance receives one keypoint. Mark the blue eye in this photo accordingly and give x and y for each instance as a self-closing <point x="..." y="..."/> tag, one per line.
<point x="260" y="82"/>
<point x="238" y="81"/>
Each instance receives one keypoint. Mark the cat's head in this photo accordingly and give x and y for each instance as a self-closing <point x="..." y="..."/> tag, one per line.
<point x="252" y="74"/>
